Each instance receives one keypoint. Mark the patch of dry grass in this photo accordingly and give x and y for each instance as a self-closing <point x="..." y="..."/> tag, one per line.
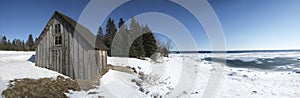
<point x="40" y="88"/>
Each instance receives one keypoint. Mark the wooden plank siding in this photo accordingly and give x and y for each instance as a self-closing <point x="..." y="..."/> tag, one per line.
<point x="75" y="58"/>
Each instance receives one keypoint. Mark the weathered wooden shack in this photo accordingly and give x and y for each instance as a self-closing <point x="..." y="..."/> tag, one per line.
<point x="69" y="48"/>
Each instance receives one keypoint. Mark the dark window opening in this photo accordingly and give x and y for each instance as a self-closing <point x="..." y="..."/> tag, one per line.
<point x="58" y="41"/>
<point x="57" y="28"/>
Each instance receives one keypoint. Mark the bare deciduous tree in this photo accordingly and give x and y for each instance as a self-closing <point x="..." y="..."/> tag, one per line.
<point x="168" y="45"/>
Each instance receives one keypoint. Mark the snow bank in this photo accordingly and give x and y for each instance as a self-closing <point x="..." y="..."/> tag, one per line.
<point x="15" y="65"/>
<point x="139" y="65"/>
<point x="116" y="84"/>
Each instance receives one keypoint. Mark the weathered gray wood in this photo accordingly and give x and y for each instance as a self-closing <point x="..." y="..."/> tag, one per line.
<point x="76" y="58"/>
<point x="89" y="64"/>
<point x="80" y="61"/>
<point x="85" y="64"/>
<point x="61" y="61"/>
<point x="93" y="63"/>
<point x="66" y="64"/>
<point x="44" y="53"/>
<point x="71" y="56"/>
<point x="55" y="60"/>
<point x="46" y="49"/>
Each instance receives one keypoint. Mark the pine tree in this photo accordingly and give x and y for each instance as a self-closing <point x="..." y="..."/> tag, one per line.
<point x="4" y="42"/>
<point x="35" y="43"/>
<point x="30" y="43"/>
<point x="122" y="40"/>
<point x="121" y="22"/>
<point x="137" y="48"/>
<point x="111" y="31"/>
<point x="100" y="34"/>
<point x="149" y="42"/>
<point x="8" y="45"/>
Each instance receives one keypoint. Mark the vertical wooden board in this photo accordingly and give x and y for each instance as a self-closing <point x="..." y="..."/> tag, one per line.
<point x="66" y="56"/>
<point x="85" y="64"/>
<point x="55" y="60"/>
<point x="50" y="50"/>
<point x="71" y="56"/>
<point x="50" y="57"/>
<point x="61" y="61"/>
<point x="95" y="62"/>
<point x="41" y="55"/>
<point x="46" y="49"/>
<point x="63" y="52"/>
<point x="43" y="52"/>
<point x="90" y="64"/>
<point x="76" y="59"/>
<point x="91" y="72"/>
<point x="92" y="56"/>
<point x="37" y="55"/>
<point x="80" y="56"/>
<point x="100" y="60"/>
<point x="49" y="47"/>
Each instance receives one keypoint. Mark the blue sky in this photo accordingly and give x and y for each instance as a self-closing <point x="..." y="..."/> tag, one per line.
<point x="247" y="24"/>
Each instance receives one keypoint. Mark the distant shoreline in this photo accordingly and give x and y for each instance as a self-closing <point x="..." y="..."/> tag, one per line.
<point x="233" y="51"/>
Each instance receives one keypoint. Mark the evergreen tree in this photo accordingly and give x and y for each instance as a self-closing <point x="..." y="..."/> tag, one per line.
<point x="122" y="41"/>
<point x="35" y="43"/>
<point x="4" y="43"/>
<point x="144" y="45"/>
<point x="122" y="44"/>
<point x="100" y="34"/>
<point x="30" y="43"/>
<point x="8" y="45"/>
<point x="149" y="42"/>
<point x="121" y="22"/>
<point x="137" y="48"/>
<point x="111" y="31"/>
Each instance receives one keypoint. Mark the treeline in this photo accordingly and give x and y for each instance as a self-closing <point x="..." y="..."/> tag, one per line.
<point x="144" y="42"/>
<point x="17" y="44"/>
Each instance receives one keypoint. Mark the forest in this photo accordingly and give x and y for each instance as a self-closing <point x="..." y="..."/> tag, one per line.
<point x="142" y="46"/>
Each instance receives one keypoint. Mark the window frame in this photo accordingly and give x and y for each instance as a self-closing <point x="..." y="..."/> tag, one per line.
<point x="58" y="40"/>
<point x="57" y="28"/>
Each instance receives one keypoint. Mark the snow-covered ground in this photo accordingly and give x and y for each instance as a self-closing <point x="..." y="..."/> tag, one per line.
<point x="186" y="74"/>
<point x="17" y="65"/>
